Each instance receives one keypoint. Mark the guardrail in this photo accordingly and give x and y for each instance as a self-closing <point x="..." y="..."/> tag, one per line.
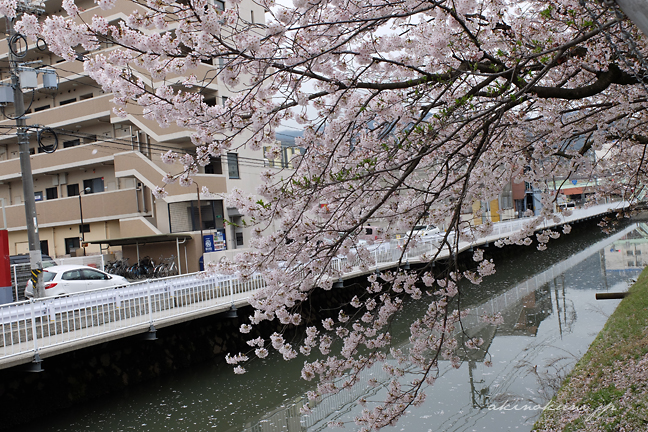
<point x="35" y="325"/>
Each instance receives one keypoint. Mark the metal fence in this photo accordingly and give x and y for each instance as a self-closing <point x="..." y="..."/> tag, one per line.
<point x="30" y="326"/>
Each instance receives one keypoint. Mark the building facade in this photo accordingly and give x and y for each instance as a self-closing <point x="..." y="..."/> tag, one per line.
<point x="98" y="183"/>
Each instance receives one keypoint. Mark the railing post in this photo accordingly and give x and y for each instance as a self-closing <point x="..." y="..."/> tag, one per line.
<point x="15" y="273"/>
<point x="33" y="320"/>
<point x="148" y="294"/>
<point x="231" y="290"/>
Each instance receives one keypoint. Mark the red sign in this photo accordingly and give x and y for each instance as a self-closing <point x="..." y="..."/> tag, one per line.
<point x="5" y="270"/>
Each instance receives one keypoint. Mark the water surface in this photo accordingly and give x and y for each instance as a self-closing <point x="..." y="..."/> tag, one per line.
<point x="550" y="318"/>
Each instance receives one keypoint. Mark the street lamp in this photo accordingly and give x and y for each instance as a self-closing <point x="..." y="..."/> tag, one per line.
<point x="86" y="190"/>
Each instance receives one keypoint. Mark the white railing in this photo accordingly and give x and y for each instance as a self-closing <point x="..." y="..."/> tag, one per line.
<point x="35" y="325"/>
<point x="32" y="326"/>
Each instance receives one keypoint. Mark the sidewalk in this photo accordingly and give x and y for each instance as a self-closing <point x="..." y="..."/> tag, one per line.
<point x="608" y="388"/>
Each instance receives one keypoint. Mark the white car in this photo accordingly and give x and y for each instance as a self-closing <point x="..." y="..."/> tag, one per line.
<point x="68" y="279"/>
<point x="425" y="231"/>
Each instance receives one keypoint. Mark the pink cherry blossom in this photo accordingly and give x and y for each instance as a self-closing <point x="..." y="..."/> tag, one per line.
<point x="411" y="114"/>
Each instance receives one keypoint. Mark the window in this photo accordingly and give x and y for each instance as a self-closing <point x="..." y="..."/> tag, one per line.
<point x="67" y="101"/>
<point x="71" y="244"/>
<point x="221" y="62"/>
<point x="211" y="215"/>
<point x="41" y="108"/>
<point x="218" y="5"/>
<point x="85" y="96"/>
<point x="38" y="196"/>
<point x="90" y="139"/>
<point x="48" y="276"/>
<point x="252" y="16"/>
<point x="210" y="101"/>
<point x="95" y="185"/>
<point x="239" y="239"/>
<point x="72" y="275"/>
<point x="224" y="100"/>
<point x="72" y="189"/>
<point x="89" y="274"/>
<point x="46" y="148"/>
<point x="51" y="193"/>
<point x="214" y="166"/>
<point x="84" y="228"/>
<point x="183" y="216"/>
<point x="232" y="165"/>
<point x="71" y="143"/>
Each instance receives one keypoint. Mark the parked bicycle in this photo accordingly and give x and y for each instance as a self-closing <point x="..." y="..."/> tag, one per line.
<point x="142" y="270"/>
<point x="118" y="267"/>
<point x="166" y="268"/>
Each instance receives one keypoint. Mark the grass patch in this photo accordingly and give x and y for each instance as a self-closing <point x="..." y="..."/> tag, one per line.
<point x="609" y="384"/>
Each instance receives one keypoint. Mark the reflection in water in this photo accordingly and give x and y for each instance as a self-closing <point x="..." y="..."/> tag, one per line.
<point x="534" y="355"/>
<point x="549" y="320"/>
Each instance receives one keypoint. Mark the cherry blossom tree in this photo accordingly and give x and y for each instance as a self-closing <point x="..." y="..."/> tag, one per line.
<point x="411" y="112"/>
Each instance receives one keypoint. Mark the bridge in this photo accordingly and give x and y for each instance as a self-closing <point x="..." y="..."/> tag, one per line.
<point x="39" y="328"/>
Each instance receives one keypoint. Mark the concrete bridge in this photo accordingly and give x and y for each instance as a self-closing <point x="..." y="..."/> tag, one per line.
<point x="36" y="329"/>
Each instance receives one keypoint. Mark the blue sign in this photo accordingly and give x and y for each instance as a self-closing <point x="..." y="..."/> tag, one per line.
<point x="208" y="243"/>
<point x="574" y="182"/>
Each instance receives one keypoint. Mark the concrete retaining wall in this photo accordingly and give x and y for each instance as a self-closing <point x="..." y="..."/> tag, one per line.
<point x="76" y="377"/>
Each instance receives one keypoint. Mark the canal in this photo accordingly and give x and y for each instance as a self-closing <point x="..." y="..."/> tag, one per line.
<point x="550" y="318"/>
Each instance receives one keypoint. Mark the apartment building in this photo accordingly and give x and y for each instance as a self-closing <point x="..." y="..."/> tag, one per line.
<point x="97" y="185"/>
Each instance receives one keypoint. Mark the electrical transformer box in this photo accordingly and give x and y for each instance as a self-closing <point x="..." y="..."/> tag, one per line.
<point x="50" y="80"/>
<point x="6" y="94"/>
<point x="28" y="79"/>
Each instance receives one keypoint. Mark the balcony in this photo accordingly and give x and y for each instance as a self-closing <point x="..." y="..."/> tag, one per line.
<point x="96" y="207"/>
<point x="61" y="160"/>
<point x="171" y="133"/>
<point x="121" y="9"/>
<point x="66" y="115"/>
<point x="151" y="175"/>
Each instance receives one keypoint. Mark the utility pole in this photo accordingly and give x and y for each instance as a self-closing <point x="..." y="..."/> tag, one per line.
<point x="25" y="166"/>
